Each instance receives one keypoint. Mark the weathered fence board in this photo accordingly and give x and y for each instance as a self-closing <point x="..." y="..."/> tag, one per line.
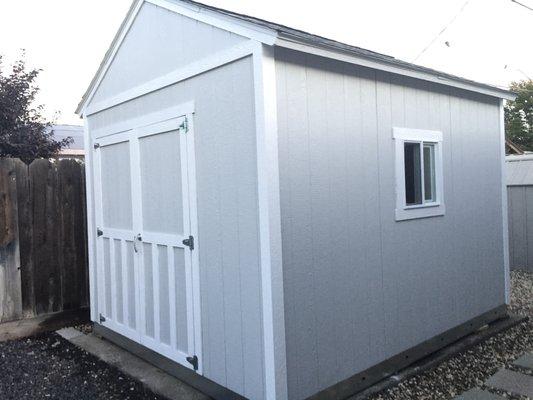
<point x="10" y="284"/>
<point x="48" y="201"/>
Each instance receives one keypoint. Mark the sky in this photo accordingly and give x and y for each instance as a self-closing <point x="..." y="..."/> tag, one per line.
<point x="484" y="40"/>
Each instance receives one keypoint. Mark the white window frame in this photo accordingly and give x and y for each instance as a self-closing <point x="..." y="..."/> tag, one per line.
<point x="424" y="210"/>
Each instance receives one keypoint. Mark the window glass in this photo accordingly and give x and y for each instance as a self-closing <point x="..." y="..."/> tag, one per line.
<point x="429" y="172"/>
<point x="413" y="174"/>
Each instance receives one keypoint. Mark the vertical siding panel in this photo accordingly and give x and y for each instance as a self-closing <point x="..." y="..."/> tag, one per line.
<point x="322" y="263"/>
<point x="250" y="288"/>
<point x="358" y="290"/>
<point x="387" y="205"/>
<point x="394" y="287"/>
<point x="230" y="148"/>
<point x="373" y="273"/>
<point x="453" y="204"/>
<point x="303" y="239"/>
<point x="339" y="200"/>
<point x="289" y="278"/>
<point x="207" y="167"/>
<point x="445" y="275"/>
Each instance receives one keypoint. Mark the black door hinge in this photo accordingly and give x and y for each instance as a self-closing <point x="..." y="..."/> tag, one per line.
<point x="102" y="318"/>
<point x="99" y="232"/>
<point x="96" y="146"/>
<point x="193" y="361"/>
<point x="189" y="242"/>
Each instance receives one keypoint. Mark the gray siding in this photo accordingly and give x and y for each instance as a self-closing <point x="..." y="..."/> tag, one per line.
<point x="159" y="42"/>
<point x="520" y="201"/>
<point x="359" y="286"/>
<point x="228" y="217"/>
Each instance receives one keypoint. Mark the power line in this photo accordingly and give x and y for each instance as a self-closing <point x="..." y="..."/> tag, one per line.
<point x="523" y="5"/>
<point x="443" y="30"/>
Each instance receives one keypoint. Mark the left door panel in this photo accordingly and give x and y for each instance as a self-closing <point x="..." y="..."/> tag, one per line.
<point x="116" y="237"/>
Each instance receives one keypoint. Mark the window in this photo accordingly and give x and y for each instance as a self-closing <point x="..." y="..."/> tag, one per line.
<point x="418" y="173"/>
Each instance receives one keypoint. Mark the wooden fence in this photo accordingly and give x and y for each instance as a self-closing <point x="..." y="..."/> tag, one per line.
<point x="43" y="252"/>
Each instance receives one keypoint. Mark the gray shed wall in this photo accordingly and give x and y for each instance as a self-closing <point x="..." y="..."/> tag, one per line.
<point x="360" y="287"/>
<point x="226" y="166"/>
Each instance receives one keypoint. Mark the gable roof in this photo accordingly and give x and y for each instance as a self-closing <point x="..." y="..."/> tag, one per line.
<point x="275" y="34"/>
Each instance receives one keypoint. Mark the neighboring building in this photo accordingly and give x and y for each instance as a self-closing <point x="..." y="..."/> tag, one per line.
<point x="276" y="215"/>
<point x="76" y="148"/>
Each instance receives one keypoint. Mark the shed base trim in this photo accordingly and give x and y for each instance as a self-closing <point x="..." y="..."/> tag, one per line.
<point x="393" y="365"/>
<point x="201" y="383"/>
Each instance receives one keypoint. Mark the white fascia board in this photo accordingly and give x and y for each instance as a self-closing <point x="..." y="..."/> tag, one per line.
<point x="337" y="54"/>
<point x="220" y="20"/>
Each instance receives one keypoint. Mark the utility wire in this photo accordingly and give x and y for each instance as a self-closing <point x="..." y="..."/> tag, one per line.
<point x="444" y="30"/>
<point x="523" y="5"/>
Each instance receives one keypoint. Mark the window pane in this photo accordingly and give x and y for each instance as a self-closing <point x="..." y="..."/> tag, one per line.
<point x="413" y="178"/>
<point x="429" y="172"/>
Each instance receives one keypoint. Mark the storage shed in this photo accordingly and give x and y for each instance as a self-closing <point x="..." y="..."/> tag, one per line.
<point x="520" y="194"/>
<point x="276" y="215"/>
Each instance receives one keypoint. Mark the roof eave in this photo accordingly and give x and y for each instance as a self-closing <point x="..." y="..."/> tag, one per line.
<point x="333" y="52"/>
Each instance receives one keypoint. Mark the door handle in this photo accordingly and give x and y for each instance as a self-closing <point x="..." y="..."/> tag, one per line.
<point x="136" y="238"/>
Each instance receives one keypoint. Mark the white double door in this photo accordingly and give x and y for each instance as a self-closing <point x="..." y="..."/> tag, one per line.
<point x="147" y="262"/>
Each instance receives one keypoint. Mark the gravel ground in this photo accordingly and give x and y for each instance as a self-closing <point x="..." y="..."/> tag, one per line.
<point x="472" y="367"/>
<point x="49" y="367"/>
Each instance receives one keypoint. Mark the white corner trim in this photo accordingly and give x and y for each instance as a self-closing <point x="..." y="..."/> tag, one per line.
<point x="505" y="216"/>
<point x="110" y="56"/>
<point x="275" y="367"/>
<point x="196" y="68"/>
<point x="219" y="20"/>
<point x="91" y="233"/>
<point x="337" y="54"/>
<point x="144" y="120"/>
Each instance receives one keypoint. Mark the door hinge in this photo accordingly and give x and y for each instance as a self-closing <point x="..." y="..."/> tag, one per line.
<point x="184" y="125"/>
<point x="102" y="318"/>
<point x="96" y="146"/>
<point x="193" y="361"/>
<point x="99" y="232"/>
<point x="189" y="242"/>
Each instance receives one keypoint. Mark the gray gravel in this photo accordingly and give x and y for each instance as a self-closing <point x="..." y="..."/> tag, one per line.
<point x="473" y="367"/>
<point x="49" y="367"/>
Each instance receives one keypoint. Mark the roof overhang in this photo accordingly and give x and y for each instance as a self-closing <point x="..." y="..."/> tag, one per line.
<point x="395" y="67"/>
<point x="276" y="35"/>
